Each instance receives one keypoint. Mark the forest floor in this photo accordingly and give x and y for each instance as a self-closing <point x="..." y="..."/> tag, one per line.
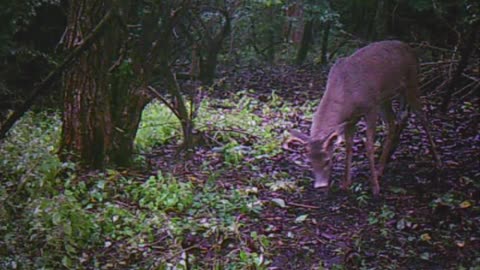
<point x="425" y="218"/>
<point x="242" y="201"/>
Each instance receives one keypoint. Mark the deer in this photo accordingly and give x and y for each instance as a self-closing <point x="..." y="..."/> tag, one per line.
<point x="364" y="84"/>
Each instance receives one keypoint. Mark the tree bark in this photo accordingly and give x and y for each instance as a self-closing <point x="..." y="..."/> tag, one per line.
<point x="102" y="104"/>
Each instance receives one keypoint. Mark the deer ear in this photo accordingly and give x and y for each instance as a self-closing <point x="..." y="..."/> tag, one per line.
<point x="329" y="140"/>
<point x="341" y="128"/>
<point x="299" y="136"/>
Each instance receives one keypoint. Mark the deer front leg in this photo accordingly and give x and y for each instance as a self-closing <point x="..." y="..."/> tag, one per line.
<point x="349" y="132"/>
<point x="371" y="119"/>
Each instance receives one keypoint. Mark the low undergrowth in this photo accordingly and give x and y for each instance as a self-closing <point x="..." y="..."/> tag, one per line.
<point x="242" y="202"/>
<point x="54" y="218"/>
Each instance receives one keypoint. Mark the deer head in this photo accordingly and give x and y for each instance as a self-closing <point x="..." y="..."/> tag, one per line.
<point x="320" y="151"/>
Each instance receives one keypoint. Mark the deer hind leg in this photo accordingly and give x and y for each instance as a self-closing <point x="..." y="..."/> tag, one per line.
<point x="371" y="119"/>
<point x="349" y="132"/>
<point x="402" y="117"/>
<point x="414" y="102"/>
<point x="390" y="141"/>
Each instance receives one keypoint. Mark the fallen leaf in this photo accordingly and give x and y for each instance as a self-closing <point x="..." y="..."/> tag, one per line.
<point x="425" y="237"/>
<point x="465" y="204"/>
<point x="301" y="218"/>
<point x="279" y="202"/>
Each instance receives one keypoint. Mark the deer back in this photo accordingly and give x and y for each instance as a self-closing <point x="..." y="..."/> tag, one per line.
<point x="361" y="82"/>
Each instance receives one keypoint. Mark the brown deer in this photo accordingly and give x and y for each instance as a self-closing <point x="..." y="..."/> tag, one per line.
<point x="363" y="85"/>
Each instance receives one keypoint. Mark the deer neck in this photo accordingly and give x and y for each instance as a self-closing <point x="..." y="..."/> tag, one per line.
<point x="326" y="120"/>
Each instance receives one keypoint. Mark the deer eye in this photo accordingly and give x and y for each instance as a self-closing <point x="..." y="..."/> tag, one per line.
<point x="318" y="155"/>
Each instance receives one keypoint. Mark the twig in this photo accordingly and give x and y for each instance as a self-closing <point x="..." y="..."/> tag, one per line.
<point x="159" y="125"/>
<point x="233" y="130"/>
<point x="439" y="63"/>
<point x="426" y="45"/>
<point x="303" y="205"/>
<point x="466" y="87"/>
<point x="430" y="81"/>
<point x="164" y="101"/>
<point x="399" y="197"/>
<point x="180" y="252"/>
<point x="471" y="92"/>
<point x="471" y="78"/>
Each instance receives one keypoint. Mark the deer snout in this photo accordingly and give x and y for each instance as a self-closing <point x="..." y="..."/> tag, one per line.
<point x="320" y="181"/>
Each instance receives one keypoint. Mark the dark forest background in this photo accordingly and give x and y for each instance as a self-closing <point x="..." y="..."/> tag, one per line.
<point x="147" y="135"/>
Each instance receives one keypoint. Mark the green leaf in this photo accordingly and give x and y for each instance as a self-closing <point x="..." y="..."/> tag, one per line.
<point x="101" y="184"/>
<point x="66" y="262"/>
<point x="279" y="202"/>
<point x="56" y="218"/>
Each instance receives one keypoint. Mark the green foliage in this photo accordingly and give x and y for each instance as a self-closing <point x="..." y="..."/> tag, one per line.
<point x="52" y="218"/>
<point x="420" y="5"/>
<point x="24" y="47"/>
<point x="16" y="16"/>
<point x="321" y="11"/>
<point x="158" y="125"/>
<point x="260" y="23"/>
<point x="164" y="193"/>
<point x="63" y="227"/>
<point x="28" y="154"/>
<point x="236" y="126"/>
<point x="362" y="193"/>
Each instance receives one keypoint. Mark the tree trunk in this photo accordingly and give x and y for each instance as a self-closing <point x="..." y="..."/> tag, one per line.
<point x="306" y="41"/>
<point x="325" y="36"/>
<point x="102" y="107"/>
<point x="213" y="48"/>
<point x="271" y="35"/>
